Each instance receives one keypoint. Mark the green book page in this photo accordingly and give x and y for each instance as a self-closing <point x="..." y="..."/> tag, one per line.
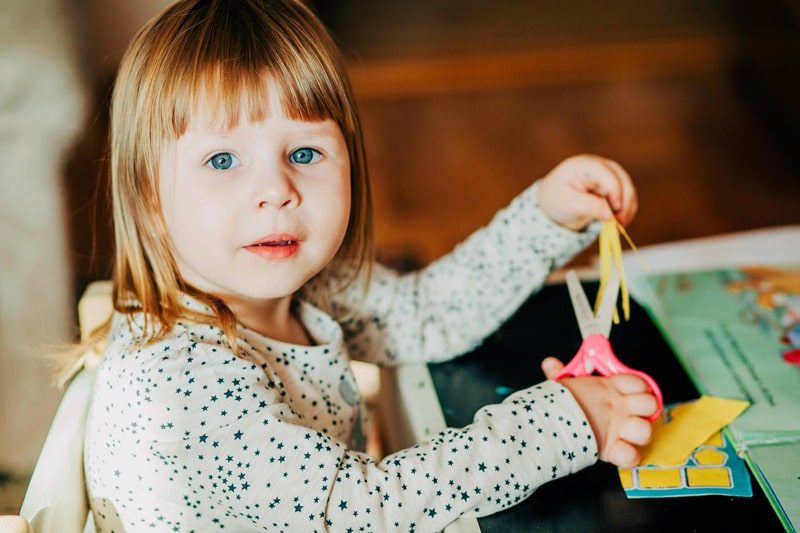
<point x="729" y="328"/>
<point x="777" y="469"/>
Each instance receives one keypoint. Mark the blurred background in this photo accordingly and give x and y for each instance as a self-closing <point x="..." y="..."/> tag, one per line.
<point x="464" y="103"/>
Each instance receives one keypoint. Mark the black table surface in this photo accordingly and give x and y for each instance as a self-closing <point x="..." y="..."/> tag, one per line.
<point x="593" y="499"/>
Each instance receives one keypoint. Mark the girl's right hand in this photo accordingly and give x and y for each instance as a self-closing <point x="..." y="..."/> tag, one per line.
<point x="617" y="408"/>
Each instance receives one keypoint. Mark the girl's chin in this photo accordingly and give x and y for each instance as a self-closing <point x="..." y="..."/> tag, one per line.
<point x="255" y="294"/>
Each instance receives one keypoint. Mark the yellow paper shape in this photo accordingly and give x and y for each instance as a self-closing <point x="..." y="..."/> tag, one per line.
<point x="659" y="478"/>
<point x="626" y="477"/>
<point x="715" y="440"/>
<point x="709" y="456"/>
<point x="672" y="443"/>
<point x="708" y="477"/>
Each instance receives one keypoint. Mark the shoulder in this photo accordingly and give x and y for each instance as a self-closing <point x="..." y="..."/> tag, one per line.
<point x="189" y="348"/>
<point x="164" y="386"/>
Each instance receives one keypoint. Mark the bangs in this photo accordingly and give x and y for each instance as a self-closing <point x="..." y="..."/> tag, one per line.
<point x="227" y="61"/>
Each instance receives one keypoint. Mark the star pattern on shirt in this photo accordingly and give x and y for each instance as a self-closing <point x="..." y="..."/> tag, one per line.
<point x="185" y="436"/>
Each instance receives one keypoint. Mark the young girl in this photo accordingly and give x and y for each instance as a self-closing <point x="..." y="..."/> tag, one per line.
<point x="244" y="284"/>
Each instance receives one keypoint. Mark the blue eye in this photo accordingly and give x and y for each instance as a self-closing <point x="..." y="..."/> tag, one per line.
<point x="223" y="161"/>
<point x="304" y="156"/>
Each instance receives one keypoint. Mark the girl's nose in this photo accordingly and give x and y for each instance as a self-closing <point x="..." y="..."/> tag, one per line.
<point x="278" y="192"/>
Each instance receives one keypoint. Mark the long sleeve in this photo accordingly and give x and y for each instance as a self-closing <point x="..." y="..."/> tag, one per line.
<point x="185" y="436"/>
<point x="536" y="435"/>
<point x="449" y="307"/>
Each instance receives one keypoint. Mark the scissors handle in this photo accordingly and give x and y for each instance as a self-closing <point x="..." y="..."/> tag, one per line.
<point x="595" y="354"/>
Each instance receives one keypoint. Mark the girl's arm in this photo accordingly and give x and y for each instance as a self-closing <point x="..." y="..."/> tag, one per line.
<point x="193" y="442"/>
<point x="449" y="307"/>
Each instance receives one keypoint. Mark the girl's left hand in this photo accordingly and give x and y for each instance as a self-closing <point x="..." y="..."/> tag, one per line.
<point x="574" y="193"/>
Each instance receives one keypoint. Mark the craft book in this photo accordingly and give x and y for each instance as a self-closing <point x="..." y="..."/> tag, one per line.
<point x="736" y="332"/>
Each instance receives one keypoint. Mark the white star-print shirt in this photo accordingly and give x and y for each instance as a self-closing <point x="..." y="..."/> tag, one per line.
<point x="184" y="436"/>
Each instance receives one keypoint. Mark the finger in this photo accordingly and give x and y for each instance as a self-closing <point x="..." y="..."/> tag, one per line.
<point x="622" y="454"/>
<point x="597" y="207"/>
<point x="607" y="178"/>
<point x="624" y="201"/>
<point x="642" y="405"/>
<point x="636" y="430"/>
<point x="612" y="186"/>
<point x="629" y="384"/>
<point x="551" y="366"/>
<point x="598" y="177"/>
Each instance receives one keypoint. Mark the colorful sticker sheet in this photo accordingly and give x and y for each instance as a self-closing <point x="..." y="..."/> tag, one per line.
<point x="712" y="468"/>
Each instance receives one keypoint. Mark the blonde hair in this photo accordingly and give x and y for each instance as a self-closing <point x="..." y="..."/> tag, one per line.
<point x="223" y="51"/>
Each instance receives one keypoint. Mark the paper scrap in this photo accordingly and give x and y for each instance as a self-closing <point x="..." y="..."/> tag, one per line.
<point x="673" y="443"/>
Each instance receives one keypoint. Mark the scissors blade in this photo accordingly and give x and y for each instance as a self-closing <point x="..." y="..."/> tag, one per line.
<point x="605" y="312"/>
<point x="580" y="305"/>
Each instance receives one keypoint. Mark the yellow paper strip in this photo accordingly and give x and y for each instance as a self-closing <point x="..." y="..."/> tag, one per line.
<point x="672" y="443"/>
<point x="610" y="250"/>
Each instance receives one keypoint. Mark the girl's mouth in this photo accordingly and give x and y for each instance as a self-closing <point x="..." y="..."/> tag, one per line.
<point x="275" y="247"/>
<point x="276" y="243"/>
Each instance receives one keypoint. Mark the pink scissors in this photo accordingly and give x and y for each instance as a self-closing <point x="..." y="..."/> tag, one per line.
<point x="595" y="353"/>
